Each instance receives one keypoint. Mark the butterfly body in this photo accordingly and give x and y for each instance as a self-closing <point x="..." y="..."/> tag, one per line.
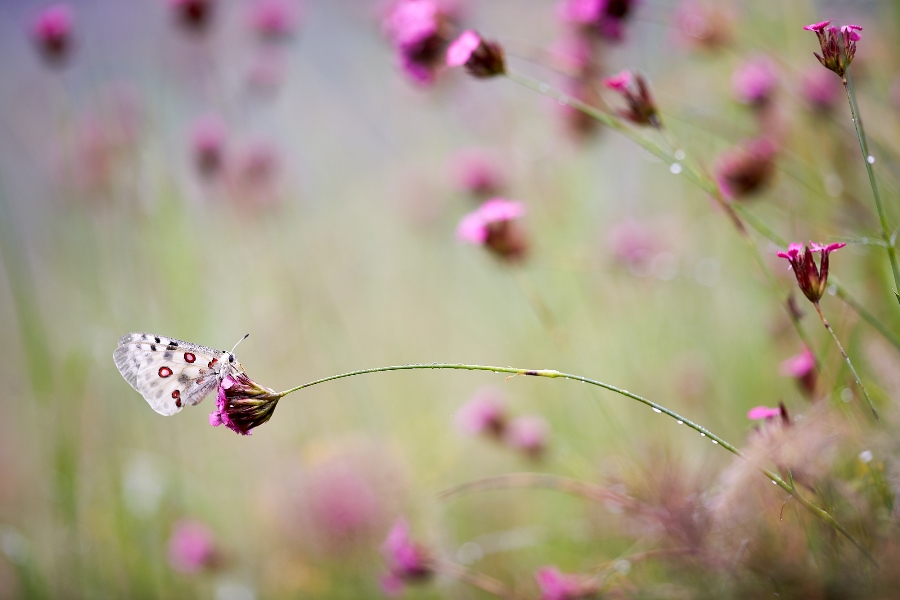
<point x="170" y="373"/>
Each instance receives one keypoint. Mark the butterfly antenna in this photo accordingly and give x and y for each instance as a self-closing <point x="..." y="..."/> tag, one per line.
<point x="239" y="341"/>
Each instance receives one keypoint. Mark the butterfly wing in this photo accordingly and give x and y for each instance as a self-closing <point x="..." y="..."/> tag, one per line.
<point x="169" y="373"/>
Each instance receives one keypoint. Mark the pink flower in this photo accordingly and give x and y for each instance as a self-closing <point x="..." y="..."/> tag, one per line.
<point x="242" y="404"/>
<point x="417" y="29"/>
<point x="274" y="19"/>
<point x="556" y="585"/>
<point x="476" y="173"/>
<point x="746" y="169"/>
<point x="407" y="561"/>
<point x="528" y="434"/>
<point x="633" y="243"/>
<point x="52" y="32"/>
<point x="193" y="15"/>
<point x="602" y="18"/>
<point x="493" y="225"/>
<point x="192" y="547"/>
<point x="802" y="367"/>
<point x="208" y="138"/>
<point x="480" y="58"/>
<point x="636" y="92"/>
<point x="759" y="413"/>
<point x="811" y="279"/>
<point x="838" y="45"/>
<point x="704" y="26"/>
<point x="483" y="414"/>
<point x="820" y="90"/>
<point x="755" y="81"/>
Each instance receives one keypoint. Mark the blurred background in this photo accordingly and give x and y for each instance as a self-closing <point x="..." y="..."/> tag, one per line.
<point x="202" y="177"/>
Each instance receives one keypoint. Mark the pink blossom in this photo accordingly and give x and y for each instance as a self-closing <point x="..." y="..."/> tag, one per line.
<point x="817" y="27"/>
<point x="483" y="414"/>
<point x="242" y="404"/>
<point x="838" y="45"/>
<point x="746" y="169"/>
<point x="820" y="90"/>
<point x="274" y="19"/>
<point x="193" y="15"/>
<point x="802" y="367"/>
<point x="476" y="172"/>
<point x="208" y="138"/>
<point x="491" y="225"/>
<point x="619" y="82"/>
<point x="192" y="547"/>
<point x="755" y="80"/>
<point x="636" y="92"/>
<point x="556" y="585"/>
<point x="418" y="31"/>
<point x="763" y="412"/>
<point x="528" y="434"/>
<point x="460" y="50"/>
<point x="407" y="561"/>
<point x="812" y="279"/>
<point x="601" y="18"/>
<point x="633" y="243"/>
<point x="52" y="32"/>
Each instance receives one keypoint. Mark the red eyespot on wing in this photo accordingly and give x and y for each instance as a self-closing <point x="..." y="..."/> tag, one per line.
<point x="189" y="357"/>
<point x="198" y="381"/>
<point x="177" y="395"/>
<point x="165" y="372"/>
<point x="212" y="362"/>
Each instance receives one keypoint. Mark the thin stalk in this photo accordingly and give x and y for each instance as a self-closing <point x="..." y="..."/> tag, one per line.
<point x="552" y="374"/>
<point x="847" y="358"/>
<point x="882" y="219"/>
<point x="474" y="578"/>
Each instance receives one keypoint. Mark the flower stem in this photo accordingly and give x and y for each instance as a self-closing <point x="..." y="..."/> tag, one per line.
<point x="846" y="358"/>
<point x="864" y="148"/>
<point x="474" y="578"/>
<point x="775" y="478"/>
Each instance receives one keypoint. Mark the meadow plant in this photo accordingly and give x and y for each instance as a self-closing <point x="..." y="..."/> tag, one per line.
<point x="804" y="503"/>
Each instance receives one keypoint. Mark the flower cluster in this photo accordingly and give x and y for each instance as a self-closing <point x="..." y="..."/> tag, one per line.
<point x="52" y="33"/>
<point x="811" y="279"/>
<point x="242" y="404"/>
<point x="485" y="414"/>
<point x="603" y="18"/>
<point x="633" y="87"/>
<point x="755" y="81"/>
<point x="494" y="226"/>
<point x="838" y="45"/>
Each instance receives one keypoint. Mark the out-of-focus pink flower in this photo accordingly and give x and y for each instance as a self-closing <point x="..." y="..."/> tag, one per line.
<point x="755" y="81"/>
<point x="820" y="90"/>
<point x="480" y="58"/>
<point x="52" y="32"/>
<point x="802" y="367"/>
<point x="418" y="31"/>
<point x="484" y="413"/>
<point x="193" y="15"/>
<point x="494" y="226"/>
<point x="253" y="174"/>
<point x="759" y="413"/>
<point x="528" y="434"/>
<point x="242" y="404"/>
<point x="633" y="87"/>
<point x="812" y="280"/>
<point x="274" y="20"/>
<point x="707" y="27"/>
<point x="556" y="585"/>
<point x="407" y="561"/>
<point x="838" y="45"/>
<point x="603" y="18"/>
<point x="476" y="173"/>
<point x="267" y="70"/>
<point x="208" y="138"/>
<point x="633" y="244"/>
<point x="746" y="169"/>
<point x="192" y="547"/>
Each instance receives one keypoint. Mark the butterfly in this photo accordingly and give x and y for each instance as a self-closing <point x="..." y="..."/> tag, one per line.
<point x="169" y="373"/>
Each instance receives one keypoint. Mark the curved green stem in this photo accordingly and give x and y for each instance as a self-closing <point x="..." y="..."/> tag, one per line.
<point x="847" y="359"/>
<point x="868" y="159"/>
<point x="552" y="374"/>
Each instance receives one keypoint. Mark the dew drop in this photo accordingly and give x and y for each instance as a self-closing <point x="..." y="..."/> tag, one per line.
<point x="656" y="410"/>
<point x="675" y="168"/>
<point x="544" y="88"/>
<point x="775" y="482"/>
<point x="715" y="442"/>
<point x="702" y="434"/>
<point x="870" y="159"/>
<point x="681" y="422"/>
<point x="563" y="100"/>
<point x="679" y="154"/>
